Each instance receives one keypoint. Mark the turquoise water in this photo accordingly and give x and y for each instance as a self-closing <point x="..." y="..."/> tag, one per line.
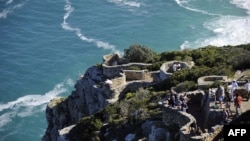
<point x="46" y="46"/>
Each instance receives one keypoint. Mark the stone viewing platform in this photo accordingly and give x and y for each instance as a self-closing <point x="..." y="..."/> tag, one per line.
<point x="168" y="69"/>
<point x="134" y="75"/>
<point x="208" y="80"/>
<point x="203" y="119"/>
<point x="195" y="124"/>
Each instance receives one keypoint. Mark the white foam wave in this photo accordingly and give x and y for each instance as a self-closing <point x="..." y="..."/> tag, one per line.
<point x="228" y="30"/>
<point x="5" y="119"/>
<point x="244" y="4"/>
<point x="100" y="44"/>
<point x="9" y="1"/>
<point x="3" y="137"/>
<point x="126" y="3"/>
<point x="69" y="82"/>
<point x="184" y="4"/>
<point x="29" y="104"/>
<point x="4" y="13"/>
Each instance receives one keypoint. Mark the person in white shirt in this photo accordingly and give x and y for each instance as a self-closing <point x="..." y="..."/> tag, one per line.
<point x="174" y="67"/>
<point x="247" y="87"/>
<point x="234" y="86"/>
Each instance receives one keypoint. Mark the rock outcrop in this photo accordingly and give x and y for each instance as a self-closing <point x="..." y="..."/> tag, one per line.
<point x="90" y="95"/>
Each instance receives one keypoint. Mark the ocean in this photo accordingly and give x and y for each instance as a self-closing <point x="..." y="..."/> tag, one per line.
<point x="45" y="46"/>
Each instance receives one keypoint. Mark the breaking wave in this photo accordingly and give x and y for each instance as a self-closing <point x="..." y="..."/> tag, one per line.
<point x="128" y="3"/>
<point x="184" y="4"/>
<point x="100" y="44"/>
<point x="226" y="30"/>
<point x="10" y="7"/>
<point x="29" y="104"/>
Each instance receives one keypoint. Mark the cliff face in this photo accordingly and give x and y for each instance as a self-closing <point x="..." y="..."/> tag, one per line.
<point x="89" y="96"/>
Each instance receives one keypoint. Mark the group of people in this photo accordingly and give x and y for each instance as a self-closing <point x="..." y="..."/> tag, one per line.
<point x="178" y="101"/>
<point x="233" y="96"/>
<point x="176" y="66"/>
<point x="227" y="110"/>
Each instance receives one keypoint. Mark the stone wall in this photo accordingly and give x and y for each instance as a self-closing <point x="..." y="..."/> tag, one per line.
<point x="113" y="63"/>
<point x="177" y="119"/>
<point x="166" y="68"/>
<point x="210" y="136"/>
<point x="113" y="71"/>
<point x="135" y="75"/>
<point x="174" y="118"/>
<point x="208" y="80"/>
<point x="118" y="81"/>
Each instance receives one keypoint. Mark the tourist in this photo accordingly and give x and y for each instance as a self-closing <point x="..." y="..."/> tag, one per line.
<point x="178" y="66"/>
<point x="174" y="67"/>
<point x="228" y="105"/>
<point x="220" y="94"/>
<point x="171" y="101"/>
<point x="183" y="97"/>
<point x="178" y="102"/>
<point x="224" y="116"/>
<point x="237" y="103"/>
<point x="247" y="87"/>
<point x="184" y="106"/>
<point x="234" y="86"/>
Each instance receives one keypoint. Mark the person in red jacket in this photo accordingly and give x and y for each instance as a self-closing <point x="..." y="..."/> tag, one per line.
<point x="237" y="103"/>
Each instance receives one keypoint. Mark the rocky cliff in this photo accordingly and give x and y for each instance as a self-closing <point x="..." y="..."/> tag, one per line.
<point x="90" y="95"/>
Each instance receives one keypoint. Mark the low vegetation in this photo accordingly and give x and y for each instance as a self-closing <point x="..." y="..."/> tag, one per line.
<point x="134" y="109"/>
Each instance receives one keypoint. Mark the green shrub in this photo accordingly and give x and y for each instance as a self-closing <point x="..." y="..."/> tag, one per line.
<point x="123" y="108"/>
<point x="84" y="128"/>
<point x="155" y="66"/>
<point x="139" y="53"/>
<point x="241" y="61"/>
<point x="96" y="123"/>
<point x="110" y="109"/>
<point x="117" y="121"/>
<point x="134" y="68"/>
<point x="128" y="95"/>
<point x="186" y="86"/>
<point x="152" y="106"/>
